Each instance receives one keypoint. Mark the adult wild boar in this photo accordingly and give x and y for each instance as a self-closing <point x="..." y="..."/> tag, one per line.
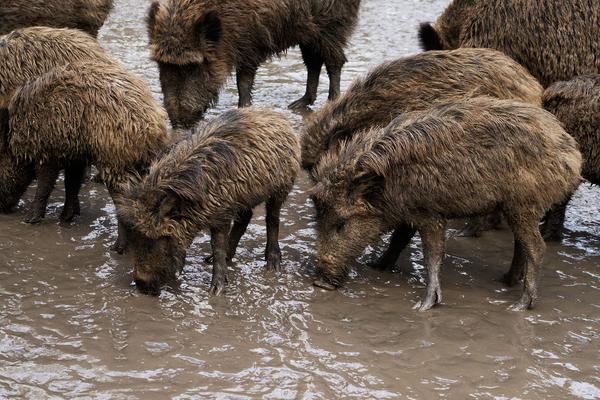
<point x="82" y="113"/>
<point x="428" y="167"/>
<point x="26" y="54"/>
<point x="85" y="15"/>
<point x="199" y="43"/>
<point x="227" y="167"/>
<point x="576" y="103"/>
<point x="554" y="40"/>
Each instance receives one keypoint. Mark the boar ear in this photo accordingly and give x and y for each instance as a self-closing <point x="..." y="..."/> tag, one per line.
<point x="208" y="27"/>
<point x="429" y="37"/>
<point x="169" y="206"/>
<point x="151" y="18"/>
<point x="366" y="187"/>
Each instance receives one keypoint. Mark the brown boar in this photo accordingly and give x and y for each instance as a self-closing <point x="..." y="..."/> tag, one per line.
<point x="576" y="103"/>
<point x="84" y="113"/>
<point x="428" y="167"/>
<point x="85" y="15"/>
<point x="227" y="167"/>
<point x="411" y="84"/>
<point x="554" y="40"/>
<point x="199" y="43"/>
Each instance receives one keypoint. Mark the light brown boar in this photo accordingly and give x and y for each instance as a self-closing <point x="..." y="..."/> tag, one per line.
<point x="228" y="166"/>
<point x="428" y="167"/>
<point x="576" y="103"/>
<point x="554" y="40"/>
<point x="199" y="43"/>
<point x="85" y="15"/>
<point x="84" y="113"/>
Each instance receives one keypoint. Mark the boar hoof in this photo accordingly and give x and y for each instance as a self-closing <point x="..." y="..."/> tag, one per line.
<point x="34" y="219"/>
<point x="301" y="104"/>
<point x="217" y="288"/>
<point x="381" y="265"/>
<point x="324" y="285"/>
<point x="525" y="303"/>
<point x="470" y="230"/>
<point x="118" y="247"/>
<point x="209" y="259"/>
<point x="69" y="213"/>
<point x="432" y="298"/>
<point x="274" y="261"/>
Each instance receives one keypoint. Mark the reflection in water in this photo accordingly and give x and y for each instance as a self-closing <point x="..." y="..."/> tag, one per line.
<point x="71" y="324"/>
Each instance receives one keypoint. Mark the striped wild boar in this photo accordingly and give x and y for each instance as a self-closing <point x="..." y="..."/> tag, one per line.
<point x="198" y="44"/>
<point x="428" y="167"/>
<point x="227" y="167"/>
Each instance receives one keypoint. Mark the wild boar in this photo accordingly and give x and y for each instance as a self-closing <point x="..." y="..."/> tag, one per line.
<point x="199" y="43"/>
<point x="555" y="41"/>
<point x="576" y="103"/>
<point x="428" y="167"/>
<point x="227" y="167"/>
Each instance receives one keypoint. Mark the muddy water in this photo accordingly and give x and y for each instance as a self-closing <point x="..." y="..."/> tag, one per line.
<point x="72" y="326"/>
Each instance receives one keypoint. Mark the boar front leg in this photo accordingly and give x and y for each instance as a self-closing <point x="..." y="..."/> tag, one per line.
<point x="245" y="82"/>
<point x="273" y="252"/>
<point x="218" y="240"/>
<point x="432" y="237"/>
<point x="74" y="176"/>
<point x="401" y="237"/>
<point x="46" y="179"/>
<point x="314" y="63"/>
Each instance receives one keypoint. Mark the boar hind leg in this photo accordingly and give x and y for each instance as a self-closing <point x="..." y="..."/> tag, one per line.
<point x="517" y="267"/>
<point x="46" y="175"/>
<point x="334" y="62"/>
<point x="314" y="63"/>
<point x="237" y="231"/>
<point x="554" y="220"/>
<point x="532" y="247"/>
<point x="272" y="252"/>
<point x="432" y="237"/>
<point x="401" y="237"/>
<point x="218" y="241"/>
<point x="74" y="177"/>
<point x="245" y="82"/>
<point x="475" y="226"/>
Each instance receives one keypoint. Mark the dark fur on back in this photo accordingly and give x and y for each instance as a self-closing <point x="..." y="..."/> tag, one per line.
<point x="86" y="15"/>
<point x="411" y="84"/>
<point x="230" y="164"/>
<point x="576" y="103"/>
<point x="554" y="40"/>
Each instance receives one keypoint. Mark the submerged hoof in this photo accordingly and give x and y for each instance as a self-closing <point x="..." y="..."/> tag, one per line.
<point x="470" y="231"/>
<point x="217" y="288"/>
<point x="118" y="247"/>
<point x="68" y="214"/>
<point x="524" y="304"/>
<point x="324" y="285"/>
<point x="33" y="219"/>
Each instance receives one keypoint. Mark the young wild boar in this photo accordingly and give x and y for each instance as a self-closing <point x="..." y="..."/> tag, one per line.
<point x="85" y="15"/>
<point x="226" y="168"/>
<point x="26" y="54"/>
<point x="428" y="167"/>
<point x="554" y="40"/>
<point x="84" y="113"/>
<point x="576" y="103"/>
<point x="199" y="43"/>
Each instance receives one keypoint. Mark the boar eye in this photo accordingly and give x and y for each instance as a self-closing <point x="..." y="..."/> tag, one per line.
<point x="340" y="226"/>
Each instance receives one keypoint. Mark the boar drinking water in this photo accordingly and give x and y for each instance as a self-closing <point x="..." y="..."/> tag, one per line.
<point x="198" y="44"/>
<point x="428" y="167"/>
<point x="227" y="167"/>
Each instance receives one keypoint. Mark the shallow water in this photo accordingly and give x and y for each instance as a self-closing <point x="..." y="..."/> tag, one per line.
<point x="72" y="326"/>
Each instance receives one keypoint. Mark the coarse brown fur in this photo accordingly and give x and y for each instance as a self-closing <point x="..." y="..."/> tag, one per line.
<point x="576" y="103"/>
<point x="411" y="84"/>
<point x="85" y="15"/>
<point x="199" y="43"/>
<point x="227" y="167"/>
<point x="26" y="54"/>
<point x="554" y="40"/>
<point x="84" y="113"/>
<point x="428" y="167"/>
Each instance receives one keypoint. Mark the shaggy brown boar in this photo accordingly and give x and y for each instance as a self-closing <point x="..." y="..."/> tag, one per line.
<point x="428" y="167"/>
<point x="226" y="168"/>
<point x="25" y="54"/>
<point x="199" y="43"/>
<point x="554" y="40"/>
<point x="86" y="15"/>
<point x="84" y="113"/>
<point x="411" y="84"/>
<point x="577" y="104"/>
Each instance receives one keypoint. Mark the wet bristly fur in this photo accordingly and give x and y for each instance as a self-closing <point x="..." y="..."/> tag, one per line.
<point x="218" y="38"/>
<point x="576" y="103"/>
<point x="554" y="40"/>
<point x="228" y="165"/>
<point x="85" y="15"/>
<point x="27" y="53"/>
<point x="411" y="84"/>
<point x="440" y="164"/>
<point x="88" y="111"/>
